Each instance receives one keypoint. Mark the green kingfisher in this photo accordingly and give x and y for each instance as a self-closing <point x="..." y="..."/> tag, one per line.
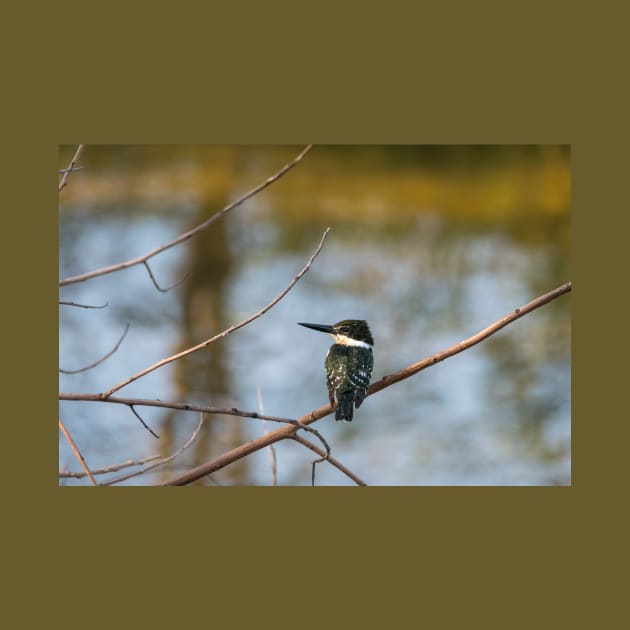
<point x="349" y="364"/>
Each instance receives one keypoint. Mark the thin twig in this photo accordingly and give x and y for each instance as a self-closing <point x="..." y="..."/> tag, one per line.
<point x="155" y="282"/>
<point x="77" y="452"/>
<point x="144" y="424"/>
<point x="109" y="354"/>
<point x="332" y="460"/>
<point x="109" y="469"/>
<point x="272" y="450"/>
<point x="150" y="402"/>
<point x="299" y="424"/>
<point x="186" y="235"/>
<point x="71" y="168"/>
<point x="83" y="305"/>
<point x="226" y="332"/>
<point x="286" y="432"/>
<point x="162" y="461"/>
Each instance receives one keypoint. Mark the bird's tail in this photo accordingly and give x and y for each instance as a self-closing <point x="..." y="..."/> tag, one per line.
<point x="345" y="410"/>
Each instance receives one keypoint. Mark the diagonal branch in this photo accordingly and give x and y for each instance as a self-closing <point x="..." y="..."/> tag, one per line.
<point x="517" y="313"/>
<point x="186" y="235"/>
<point x="71" y="168"/>
<point x="288" y="432"/>
<point x="77" y="452"/>
<point x="64" y="474"/>
<point x="226" y="332"/>
<point x="170" y="458"/>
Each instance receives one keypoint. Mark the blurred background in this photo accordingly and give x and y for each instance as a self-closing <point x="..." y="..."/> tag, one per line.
<point x="430" y="244"/>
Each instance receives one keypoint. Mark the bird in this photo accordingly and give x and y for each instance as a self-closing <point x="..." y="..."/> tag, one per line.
<point x="349" y="364"/>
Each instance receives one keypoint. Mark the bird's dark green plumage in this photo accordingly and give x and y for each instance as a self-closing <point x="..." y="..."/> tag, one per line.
<point x="349" y="364"/>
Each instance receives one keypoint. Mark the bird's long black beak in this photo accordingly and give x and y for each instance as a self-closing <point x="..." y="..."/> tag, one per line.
<point x="321" y="327"/>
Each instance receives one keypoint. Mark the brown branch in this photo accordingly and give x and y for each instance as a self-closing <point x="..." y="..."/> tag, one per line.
<point x="77" y="452"/>
<point x="226" y="332"/>
<point x="287" y="432"/>
<point x="248" y="448"/>
<point x="109" y="354"/>
<point x="108" y="469"/>
<point x="332" y="460"/>
<point x="186" y="235"/>
<point x="517" y="313"/>
<point x="71" y="167"/>
<point x="170" y="458"/>
<point x="149" y="402"/>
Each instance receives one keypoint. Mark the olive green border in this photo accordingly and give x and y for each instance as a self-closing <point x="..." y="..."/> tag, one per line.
<point x="273" y="73"/>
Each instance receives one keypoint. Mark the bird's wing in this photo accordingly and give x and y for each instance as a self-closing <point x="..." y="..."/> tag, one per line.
<point x="360" y="372"/>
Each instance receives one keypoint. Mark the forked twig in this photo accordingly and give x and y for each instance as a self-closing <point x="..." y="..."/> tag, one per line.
<point x="155" y="282"/>
<point x="170" y="458"/>
<point x="224" y="411"/>
<point x="226" y="332"/>
<point x="326" y="457"/>
<point x="186" y="235"/>
<point x="71" y="168"/>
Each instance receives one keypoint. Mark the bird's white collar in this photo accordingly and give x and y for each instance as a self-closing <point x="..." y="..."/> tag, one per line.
<point x="343" y="340"/>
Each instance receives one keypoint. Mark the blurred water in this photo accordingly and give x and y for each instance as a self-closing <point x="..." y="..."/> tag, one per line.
<point x="496" y="414"/>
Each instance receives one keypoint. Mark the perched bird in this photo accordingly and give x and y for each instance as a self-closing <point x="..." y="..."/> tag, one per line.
<point x="349" y="364"/>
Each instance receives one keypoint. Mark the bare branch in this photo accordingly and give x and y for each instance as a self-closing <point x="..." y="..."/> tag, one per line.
<point x="71" y="168"/>
<point x="517" y="313"/>
<point x="155" y="283"/>
<point x="332" y="460"/>
<point x="77" y="452"/>
<point x="109" y="469"/>
<point x="226" y="332"/>
<point x="109" y="354"/>
<point x="287" y="432"/>
<point x="315" y="432"/>
<point x="144" y="424"/>
<point x="163" y="461"/>
<point x="83" y="305"/>
<point x="226" y="411"/>
<point x="149" y="402"/>
<point x="132" y="402"/>
<point x="186" y="235"/>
